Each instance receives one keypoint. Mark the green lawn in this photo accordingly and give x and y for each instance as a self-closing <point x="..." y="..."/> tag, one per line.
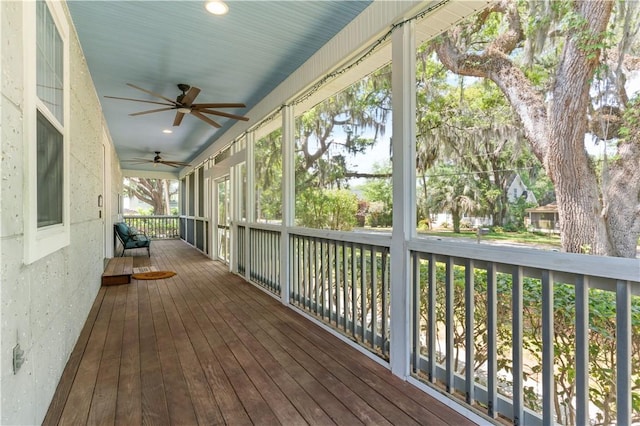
<point x="537" y="239"/>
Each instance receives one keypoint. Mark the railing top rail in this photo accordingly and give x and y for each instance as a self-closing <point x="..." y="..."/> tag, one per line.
<point x="381" y="239"/>
<point x="367" y="238"/>
<point x="614" y="268"/>
<point x="262" y="226"/>
<point x="154" y="216"/>
<point x="199" y="218"/>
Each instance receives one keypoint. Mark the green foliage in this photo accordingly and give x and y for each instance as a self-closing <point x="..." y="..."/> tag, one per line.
<point x="327" y="209"/>
<point x="452" y="192"/>
<point x="602" y="336"/>
<point x="541" y="185"/>
<point x="332" y="131"/>
<point x="378" y="193"/>
<point x="517" y="214"/>
<point x="467" y="123"/>
<point x="145" y="212"/>
<point x="268" y="176"/>
<point x="589" y="42"/>
<point x="630" y="128"/>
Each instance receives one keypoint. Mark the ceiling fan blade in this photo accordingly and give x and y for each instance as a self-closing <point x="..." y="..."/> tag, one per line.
<point x="204" y="118"/>
<point x="190" y="96"/>
<point x="153" y="110"/>
<point x="174" y="163"/>
<point x="178" y="119"/>
<point x="219" y="105"/>
<point x="164" y="163"/>
<point x="138" y="100"/>
<point x="224" y="114"/>
<point x="152" y="93"/>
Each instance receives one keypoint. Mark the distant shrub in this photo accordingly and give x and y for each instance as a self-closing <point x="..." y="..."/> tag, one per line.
<point x="424" y="225"/>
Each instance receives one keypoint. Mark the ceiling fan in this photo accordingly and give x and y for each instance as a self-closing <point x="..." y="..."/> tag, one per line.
<point x="184" y="105"/>
<point x="158" y="160"/>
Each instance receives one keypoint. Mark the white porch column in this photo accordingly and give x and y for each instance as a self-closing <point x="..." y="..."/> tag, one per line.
<point x="288" y="197"/>
<point x="234" y="210"/>
<point x="251" y="202"/>
<point x="404" y="198"/>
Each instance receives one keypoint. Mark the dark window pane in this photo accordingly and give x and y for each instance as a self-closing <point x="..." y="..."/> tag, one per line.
<point x="50" y="173"/>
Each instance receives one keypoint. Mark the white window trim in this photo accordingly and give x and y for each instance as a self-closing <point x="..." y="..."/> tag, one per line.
<point x="40" y="242"/>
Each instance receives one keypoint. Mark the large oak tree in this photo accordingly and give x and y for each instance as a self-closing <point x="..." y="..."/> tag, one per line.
<point x="599" y="214"/>
<point x="155" y="192"/>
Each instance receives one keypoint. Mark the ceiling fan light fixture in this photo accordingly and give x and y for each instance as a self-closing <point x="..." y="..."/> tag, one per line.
<point x="184" y="110"/>
<point x="216" y="7"/>
<point x="167" y="131"/>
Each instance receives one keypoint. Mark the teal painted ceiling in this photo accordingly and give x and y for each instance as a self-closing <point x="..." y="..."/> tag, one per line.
<point x="239" y="57"/>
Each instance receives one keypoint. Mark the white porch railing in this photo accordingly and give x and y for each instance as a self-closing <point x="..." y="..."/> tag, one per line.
<point x="504" y="313"/>
<point x="259" y="255"/>
<point x="521" y="318"/>
<point x="195" y="230"/>
<point x="344" y="284"/>
<point x="156" y="227"/>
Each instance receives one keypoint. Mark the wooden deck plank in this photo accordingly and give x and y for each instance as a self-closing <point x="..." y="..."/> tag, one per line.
<point x="179" y="402"/>
<point x="66" y="381"/>
<point x="207" y="350"/>
<point x="307" y="336"/>
<point x="129" y="402"/>
<point x="391" y="389"/>
<point x="201" y="327"/>
<point x="205" y="347"/>
<point x="105" y="393"/>
<point x="285" y="351"/>
<point x="250" y="361"/>
<point x="154" y="402"/>
<point x="78" y="403"/>
<point x="200" y="392"/>
<point x="283" y="360"/>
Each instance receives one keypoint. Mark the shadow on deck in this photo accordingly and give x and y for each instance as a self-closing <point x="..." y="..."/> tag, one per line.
<point x="205" y="347"/>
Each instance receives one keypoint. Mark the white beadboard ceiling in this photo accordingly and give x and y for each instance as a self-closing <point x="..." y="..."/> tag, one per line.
<point x="256" y="54"/>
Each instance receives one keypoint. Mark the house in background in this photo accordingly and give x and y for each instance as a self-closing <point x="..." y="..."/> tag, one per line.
<point x="516" y="188"/>
<point x="544" y="218"/>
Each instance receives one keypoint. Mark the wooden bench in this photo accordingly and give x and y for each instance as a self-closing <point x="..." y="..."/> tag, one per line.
<point x="118" y="271"/>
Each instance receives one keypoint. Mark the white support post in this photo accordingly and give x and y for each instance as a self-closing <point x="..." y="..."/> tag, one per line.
<point x="234" y="209"/>
<point x="251" y="203"/>
<point x="404" y="172"/>
<point x="288" y="197"/>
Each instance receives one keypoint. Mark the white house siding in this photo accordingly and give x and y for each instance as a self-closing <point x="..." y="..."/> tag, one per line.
<point x="43" y="305"/>
<point x="517" y="188"/>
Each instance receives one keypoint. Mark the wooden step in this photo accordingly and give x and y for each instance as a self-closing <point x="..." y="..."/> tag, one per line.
<point x="118" y="271"/>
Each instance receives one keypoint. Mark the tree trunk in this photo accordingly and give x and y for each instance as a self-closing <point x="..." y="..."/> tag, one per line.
<point x="456" y="217"/>
<point x="621" y="209"/>
<point x="582" y="226"/>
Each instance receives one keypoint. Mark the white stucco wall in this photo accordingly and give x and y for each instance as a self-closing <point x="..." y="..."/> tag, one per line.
<point x="43" y="305"/>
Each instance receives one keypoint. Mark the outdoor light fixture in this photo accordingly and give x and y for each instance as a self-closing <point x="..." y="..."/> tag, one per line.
<point x="216" y="7"/>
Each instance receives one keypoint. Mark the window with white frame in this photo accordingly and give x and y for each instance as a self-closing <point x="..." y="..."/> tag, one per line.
<point x="46" y="112"/>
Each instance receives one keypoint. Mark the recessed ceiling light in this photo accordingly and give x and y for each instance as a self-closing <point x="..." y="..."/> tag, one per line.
<point x="217" y="7"/>
<point x="167" y="131"/>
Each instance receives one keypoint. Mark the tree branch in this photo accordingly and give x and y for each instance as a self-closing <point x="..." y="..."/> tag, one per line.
<point x="495" y="65"/>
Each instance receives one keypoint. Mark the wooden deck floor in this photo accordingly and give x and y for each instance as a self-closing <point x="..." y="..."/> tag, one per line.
<point x="204" y="347"/>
